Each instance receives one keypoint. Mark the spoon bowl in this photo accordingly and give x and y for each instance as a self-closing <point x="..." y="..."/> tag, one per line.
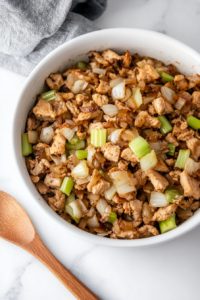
<point x="17" y="228"/>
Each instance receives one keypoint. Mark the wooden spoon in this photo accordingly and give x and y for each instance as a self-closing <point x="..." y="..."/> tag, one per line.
<point x="17" y="228"/>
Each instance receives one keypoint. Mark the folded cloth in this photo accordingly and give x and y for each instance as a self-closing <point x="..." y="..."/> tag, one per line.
<point x="29" y="30"/>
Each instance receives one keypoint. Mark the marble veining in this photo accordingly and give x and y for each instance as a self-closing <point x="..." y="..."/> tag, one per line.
<point x="169" y="271"/>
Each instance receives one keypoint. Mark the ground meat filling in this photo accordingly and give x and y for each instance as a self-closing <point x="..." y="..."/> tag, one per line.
<point x="111" y="141"/>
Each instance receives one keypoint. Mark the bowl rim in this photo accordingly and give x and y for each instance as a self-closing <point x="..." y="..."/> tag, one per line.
<point x="64" y="225"/>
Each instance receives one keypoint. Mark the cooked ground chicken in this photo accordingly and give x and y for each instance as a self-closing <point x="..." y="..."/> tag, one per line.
<point x="82" y="136"/>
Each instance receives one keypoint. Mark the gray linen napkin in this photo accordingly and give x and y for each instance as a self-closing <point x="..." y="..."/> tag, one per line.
<point x="29" y="30"/>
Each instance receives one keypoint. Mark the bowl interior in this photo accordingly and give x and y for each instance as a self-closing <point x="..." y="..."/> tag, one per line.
<point x="138" y="41"/>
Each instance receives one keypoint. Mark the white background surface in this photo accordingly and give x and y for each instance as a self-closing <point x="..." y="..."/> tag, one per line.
<point x="169" y="271"/>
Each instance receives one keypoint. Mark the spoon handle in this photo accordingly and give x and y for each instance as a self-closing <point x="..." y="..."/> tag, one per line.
<point x="73" y="284"/>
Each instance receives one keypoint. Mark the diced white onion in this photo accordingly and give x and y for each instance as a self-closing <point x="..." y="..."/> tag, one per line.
<point x="191" y="166"/>
<point x="63" y="158"/>
<point x="81" y="170"/>
<point x="141" y="64"/>
<point x="115" y="81"/>
<point x="162" y="69"/>
<point x="119" y="92"/>
<point x="123" y="187"/>
<point x="99" y="71"/>
<point x="129" y="135"/>
<point x="156" y="147"/>
<point x="149" y="161"/>
<point x="79" y="86"/>
<point x="75" y="129"/>
<point x="119" y="176"/>
<point x="128" y="94"/>
<point x="180" y="103"/>
<point x="55" y="159"/>
<point x="33" y="136"/>
<point x="91" y="152"/>
<point x="82" y="224"/>
<point x="67" y="133"/>
<point x="93" y="197"/>
<point x="71" y="78"/>
<point x="168" y="94"/>
<point x="115" y="135"/>
<point x="91" y="212"/>
<point x="109" y="194"/>
<point x="101" y="206"/>
<point x="148" y="99"/>
<point x="136" y="97"/>
<point x="110" y="109"/>
<point x="47" y="134"/>
<point x="158" y="200"/>
<point x="184" y="213"/>
<point x="93" y="222"/>
<point x="70" y="122"/>
<point x="79" y="208"/>
<point x="116" y="226"/>
<point x="83" y="180"/>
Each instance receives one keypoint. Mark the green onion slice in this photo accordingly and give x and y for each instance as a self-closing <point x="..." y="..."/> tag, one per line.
<point x="112" y="217"/>
<point x="81" y="65"/>
<point x="81" y="154"/>
<point x="193" y="122"/>
<point x="168" y="224"/>
<point x="182" y="158"/>
<point x="26" y="146"/>
<point x="172" y="195"/>
<point x="171" y="148"/>
<point x="67" y="185"/>
<point x="140" y="147"/>
<point x="165" y="125"/>
<point x="48" y="96"/>
<point x="98" y="137"/>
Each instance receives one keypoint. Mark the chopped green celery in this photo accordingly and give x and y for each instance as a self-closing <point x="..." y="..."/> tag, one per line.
<point x="165" y="125"/>
<point x="69" y="210"/>
<point x="81" y="154"/>
<point x="140" y="147"/>
<point x="74" y="140"/>
<point x="172" y="195"/>
<point x="70" y="199"/>
<point x="112" y="217"/>
<point x="182" y="158"/>
<point x="98" y="137"/>
<point x="81" y="65"/>
<point x="166" y="77"/>
<point x="48" y="96"/>
<point x="193" y="122"/>
<point x="79" y="145"/>
<point x="26" y="146"/>
<point x="67" y="185"/>
<point x="168" y="224"/>
<point x="101" y="172"/>
<point x="171" y="148"/>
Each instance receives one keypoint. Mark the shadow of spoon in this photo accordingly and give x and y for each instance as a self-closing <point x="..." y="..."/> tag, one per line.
<point x="17" y="228"/>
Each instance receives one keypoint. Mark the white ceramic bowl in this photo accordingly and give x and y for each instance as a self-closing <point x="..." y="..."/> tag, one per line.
<point x="139" y="41"/>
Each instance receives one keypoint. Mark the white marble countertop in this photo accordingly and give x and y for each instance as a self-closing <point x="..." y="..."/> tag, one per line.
<point x="169" y="271"/>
